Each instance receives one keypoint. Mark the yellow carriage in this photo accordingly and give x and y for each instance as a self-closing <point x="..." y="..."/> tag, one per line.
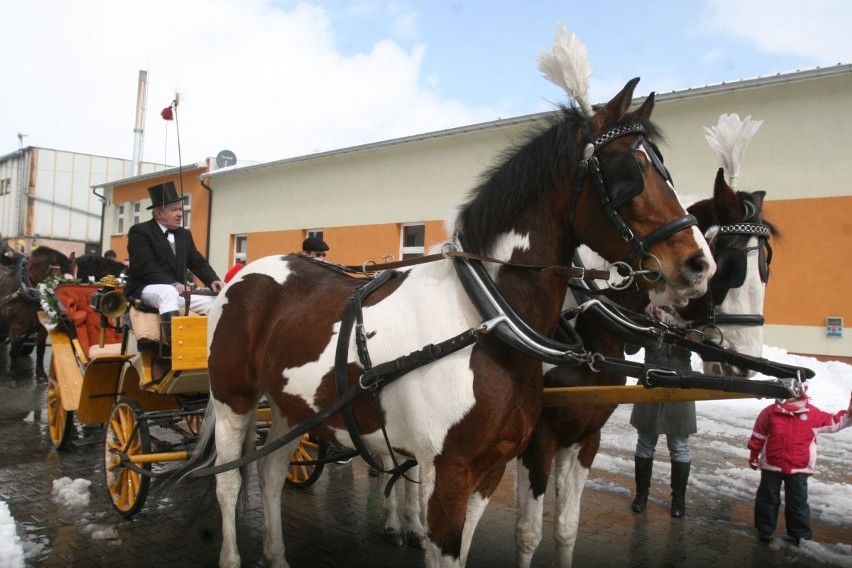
<point x="109" y="367"/>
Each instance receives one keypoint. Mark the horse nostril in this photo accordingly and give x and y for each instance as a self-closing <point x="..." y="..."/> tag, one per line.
<point x="697" y="267"/>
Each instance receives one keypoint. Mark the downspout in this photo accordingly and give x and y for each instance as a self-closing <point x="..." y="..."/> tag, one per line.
<point x="103" y="214"/>
<point x="209" y="212"/>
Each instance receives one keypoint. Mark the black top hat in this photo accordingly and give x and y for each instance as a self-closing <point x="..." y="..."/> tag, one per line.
<point x="313" y="244"/>
<point x="164" y="194"/>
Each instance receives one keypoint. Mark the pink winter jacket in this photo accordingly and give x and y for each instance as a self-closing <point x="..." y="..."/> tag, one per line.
<point x="785" y="435"/>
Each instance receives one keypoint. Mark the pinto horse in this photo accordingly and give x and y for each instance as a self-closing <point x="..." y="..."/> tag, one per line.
<point x="19" y="301"/>
<point x="566" y="439"/>
<point x="278" y="327"/>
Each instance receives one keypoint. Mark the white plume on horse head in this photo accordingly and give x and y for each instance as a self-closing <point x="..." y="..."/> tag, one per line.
<point x="729" y="140"/>
<point x="567" y="66"/>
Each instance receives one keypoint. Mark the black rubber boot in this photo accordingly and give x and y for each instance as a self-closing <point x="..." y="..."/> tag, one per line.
<point x="643" y="469"/>
<point x="680" y="477"/>
<point x="166" y="327"/>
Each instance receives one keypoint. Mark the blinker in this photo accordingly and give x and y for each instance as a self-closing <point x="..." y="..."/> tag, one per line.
<point x="622" y="173"/>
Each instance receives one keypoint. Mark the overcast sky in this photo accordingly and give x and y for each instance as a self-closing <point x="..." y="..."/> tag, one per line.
<point x="274" y="79"/>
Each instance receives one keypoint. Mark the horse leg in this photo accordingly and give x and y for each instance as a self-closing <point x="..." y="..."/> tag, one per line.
<point x="231" y="429"/>
<point x="530" y="509"/>
<point x="41" y="343"/>
<point x="410" y="529"/>
<point x="273" y="471"/>
<point x="570" y="477"/>
<point x="476" y="504"/>
<point x="391" y="524"/>
<point x="415" y="534"/>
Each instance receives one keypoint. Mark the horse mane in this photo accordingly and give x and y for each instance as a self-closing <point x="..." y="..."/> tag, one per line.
<point x="98" y="267"/>
<point x="545" y="158"/>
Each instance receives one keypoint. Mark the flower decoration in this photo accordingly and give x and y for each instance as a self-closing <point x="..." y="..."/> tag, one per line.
<point x="47" y="295"/>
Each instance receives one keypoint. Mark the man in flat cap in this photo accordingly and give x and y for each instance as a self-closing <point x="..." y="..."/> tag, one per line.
<point x="314" y="247"/>
<point x="161" y="252"/>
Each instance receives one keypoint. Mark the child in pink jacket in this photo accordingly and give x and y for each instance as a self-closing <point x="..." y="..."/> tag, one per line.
<point x="783" y="446"/>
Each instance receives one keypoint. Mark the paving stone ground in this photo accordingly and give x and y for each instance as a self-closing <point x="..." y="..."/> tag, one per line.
<point x="336" y="521"/>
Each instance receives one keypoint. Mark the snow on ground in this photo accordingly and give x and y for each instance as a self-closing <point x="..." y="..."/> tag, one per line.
<point x="724" y="427"/>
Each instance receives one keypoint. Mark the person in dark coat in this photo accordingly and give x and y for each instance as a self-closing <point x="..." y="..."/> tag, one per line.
<point x="161" y="252"/>
<point x="677" y="421"/>
<point x="314" y="247"/>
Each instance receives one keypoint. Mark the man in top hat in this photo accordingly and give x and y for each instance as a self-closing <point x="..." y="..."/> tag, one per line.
<point x="314" y="247"/>
<point x="161" y="252"/>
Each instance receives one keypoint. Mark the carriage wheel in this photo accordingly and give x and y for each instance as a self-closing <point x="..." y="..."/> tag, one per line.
<point x="309" y="448"/>
<point x="126" y="432"/>
<point x="60" y="422"/>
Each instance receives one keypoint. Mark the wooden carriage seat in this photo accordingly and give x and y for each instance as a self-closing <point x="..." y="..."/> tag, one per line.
<point x="87" y="322"/>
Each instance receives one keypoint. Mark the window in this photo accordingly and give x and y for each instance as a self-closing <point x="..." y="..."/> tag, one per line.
<point x="119" y="218"/>
<point x="240" y="248"/>
<point x="413" y="237"/>
<point x="5" y="186"/>
<point x="137" y="211"/>
<point x="314" y="233"/>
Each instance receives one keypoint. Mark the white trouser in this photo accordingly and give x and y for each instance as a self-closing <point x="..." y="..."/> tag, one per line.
<point x="165" y="298"/>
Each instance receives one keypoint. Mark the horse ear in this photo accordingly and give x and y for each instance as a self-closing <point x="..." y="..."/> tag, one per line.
<point x="616" y="108"/>
<point x="647" y="107"/>
<point x="725" y="201"/>
<point x="757" y="198"/>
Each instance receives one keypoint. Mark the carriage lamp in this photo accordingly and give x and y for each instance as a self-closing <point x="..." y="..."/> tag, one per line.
<point x="109" y="303"/>
<point x="834" y="326"/>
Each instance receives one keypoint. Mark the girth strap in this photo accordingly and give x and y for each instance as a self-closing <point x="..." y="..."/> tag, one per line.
<point x="353" y="314"/>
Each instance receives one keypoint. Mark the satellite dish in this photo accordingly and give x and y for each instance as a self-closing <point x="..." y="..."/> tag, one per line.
<point x="226" y="158"/>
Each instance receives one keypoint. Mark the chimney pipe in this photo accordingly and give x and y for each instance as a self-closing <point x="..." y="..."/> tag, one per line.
<point x="139" y="131"/>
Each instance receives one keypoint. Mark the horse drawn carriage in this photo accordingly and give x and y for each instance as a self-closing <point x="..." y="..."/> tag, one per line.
<point x="476" y="334"/>
<point x="104" y="371"/>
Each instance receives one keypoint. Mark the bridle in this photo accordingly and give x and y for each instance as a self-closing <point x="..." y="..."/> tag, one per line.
<point x="618" y="180"/>
<point x="732" y="262"/>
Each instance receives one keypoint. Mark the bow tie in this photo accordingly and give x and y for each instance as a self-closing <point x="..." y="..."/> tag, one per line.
<point x="170" y="232"/>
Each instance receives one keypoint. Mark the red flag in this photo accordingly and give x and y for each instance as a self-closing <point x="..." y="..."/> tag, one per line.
<point x="167" y="113"/>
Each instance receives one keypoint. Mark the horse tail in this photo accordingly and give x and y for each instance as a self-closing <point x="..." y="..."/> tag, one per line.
<point x="204" y="452"/>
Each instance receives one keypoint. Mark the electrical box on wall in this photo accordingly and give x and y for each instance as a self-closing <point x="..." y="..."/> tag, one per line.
<point x="834" y="326"/>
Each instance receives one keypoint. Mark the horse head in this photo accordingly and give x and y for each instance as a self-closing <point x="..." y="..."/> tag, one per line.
<point x="731" y="312"/>
<point x="45" y="261"/>
<point x="627" y="210"/>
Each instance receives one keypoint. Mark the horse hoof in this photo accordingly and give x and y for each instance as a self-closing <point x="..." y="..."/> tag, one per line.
<point x="415" y="540"/>
<point x="393" y="536"/>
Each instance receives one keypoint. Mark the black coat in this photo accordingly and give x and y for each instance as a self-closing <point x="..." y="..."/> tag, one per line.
<point x="152" y="260"/>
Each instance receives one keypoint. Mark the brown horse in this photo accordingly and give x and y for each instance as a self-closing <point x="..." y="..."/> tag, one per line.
<point x="19" y="302"/>
<point x="566" y="440"/>
<point x="465" y="405"/>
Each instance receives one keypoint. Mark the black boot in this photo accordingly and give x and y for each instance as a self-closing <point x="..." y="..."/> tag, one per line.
<point x="680" y="477"/>
<point x="166" y="327"/>
<point x="644" y="466"/>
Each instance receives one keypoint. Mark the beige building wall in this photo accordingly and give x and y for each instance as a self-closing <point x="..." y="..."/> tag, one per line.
<point x="800" y="157"/>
